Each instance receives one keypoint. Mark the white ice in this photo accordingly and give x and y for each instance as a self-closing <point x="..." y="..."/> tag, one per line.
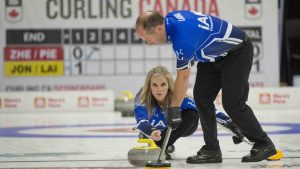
<point x="102" y="140"/>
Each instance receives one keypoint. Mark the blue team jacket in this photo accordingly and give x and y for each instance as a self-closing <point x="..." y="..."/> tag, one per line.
<point x="158" y="119"/>
<point x="199" y="37"/>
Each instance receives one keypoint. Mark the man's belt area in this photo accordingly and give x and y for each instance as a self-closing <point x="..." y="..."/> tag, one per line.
<point x="241" y="45"/>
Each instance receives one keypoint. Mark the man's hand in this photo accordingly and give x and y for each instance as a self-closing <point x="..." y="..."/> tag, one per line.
<point x="156" y="135"/>
<point x="174" y="117"/>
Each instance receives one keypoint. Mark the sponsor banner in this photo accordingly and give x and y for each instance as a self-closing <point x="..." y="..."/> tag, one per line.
<point x="96" y="40"/>
<point x="57" y="101"/>
<point x="270" y="98"/>
<point x="33" y="68"/>
<point x="44" y="86"/>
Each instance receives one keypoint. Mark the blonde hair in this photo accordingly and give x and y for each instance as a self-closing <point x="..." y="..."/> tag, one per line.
<point x="146" y="94"/>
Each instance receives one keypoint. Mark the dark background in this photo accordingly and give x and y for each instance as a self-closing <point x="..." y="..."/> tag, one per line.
<point x="291" y="10"/>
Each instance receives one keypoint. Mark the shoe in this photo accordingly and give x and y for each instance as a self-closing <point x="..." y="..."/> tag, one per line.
<point x="236" y="131"/>
<point x="168" y="156"/>
<point x="259" y="153"/>
<point x="170" y="149"/>
<point x="205" y="156"/>
<point x="236" y="140"/>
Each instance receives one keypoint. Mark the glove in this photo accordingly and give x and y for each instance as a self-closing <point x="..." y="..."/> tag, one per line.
<point x="174" y="117"/>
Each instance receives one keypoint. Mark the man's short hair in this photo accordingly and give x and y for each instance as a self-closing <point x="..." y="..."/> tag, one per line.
<point x="149" y="20"/>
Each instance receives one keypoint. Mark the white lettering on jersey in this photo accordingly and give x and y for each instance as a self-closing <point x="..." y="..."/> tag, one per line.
<point x="179" y="17"/>
<point x="160" y="123"/>
<point x="203" y="20"/>
<point x="178" y="53"/>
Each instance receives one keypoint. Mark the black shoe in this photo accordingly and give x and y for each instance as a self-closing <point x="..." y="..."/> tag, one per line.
<point x="236" y="140"/>
<point x="168" y="156"/>
<point x="238" y="135"/>
<point x="170" y="149"/>
<point x="205" y="156"/>
<point x="259" y="153"/>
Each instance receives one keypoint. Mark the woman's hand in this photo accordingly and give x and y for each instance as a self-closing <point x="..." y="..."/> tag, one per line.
<point x="155" y="135"/>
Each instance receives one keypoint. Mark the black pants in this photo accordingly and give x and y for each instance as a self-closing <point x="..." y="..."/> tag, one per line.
<point x="189" y="124"/>
<point x="230" y="74"/>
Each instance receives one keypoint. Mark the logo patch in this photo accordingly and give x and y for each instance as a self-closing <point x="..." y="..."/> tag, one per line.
<point x="13" y="10"/>
<point x="253" y="9"/>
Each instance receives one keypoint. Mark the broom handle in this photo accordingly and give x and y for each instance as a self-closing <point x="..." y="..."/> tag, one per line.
<point x="164" y="146"/>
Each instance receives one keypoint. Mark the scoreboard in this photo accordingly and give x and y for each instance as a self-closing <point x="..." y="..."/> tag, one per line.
<point x="75" y="52"/>
<point x="65" y="52"/>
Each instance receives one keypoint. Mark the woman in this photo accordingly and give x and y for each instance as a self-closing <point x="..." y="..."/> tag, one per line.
<point x="150" y="104"/>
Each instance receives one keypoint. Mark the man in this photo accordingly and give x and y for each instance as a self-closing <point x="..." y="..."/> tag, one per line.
<point x="224" y="55"/>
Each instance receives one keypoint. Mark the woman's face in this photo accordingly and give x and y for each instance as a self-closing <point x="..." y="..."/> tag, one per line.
<point x="159" y="88"/>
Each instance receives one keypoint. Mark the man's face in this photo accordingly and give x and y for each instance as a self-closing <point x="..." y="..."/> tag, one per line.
<point x="157" y="35"/>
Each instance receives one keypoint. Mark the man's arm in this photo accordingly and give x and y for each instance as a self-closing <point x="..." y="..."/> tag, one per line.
<point x="181" y="86"/>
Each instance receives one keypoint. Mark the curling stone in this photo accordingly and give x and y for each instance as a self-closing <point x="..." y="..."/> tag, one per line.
<point x="139" y="156"/>
<point x="125" y="103"/>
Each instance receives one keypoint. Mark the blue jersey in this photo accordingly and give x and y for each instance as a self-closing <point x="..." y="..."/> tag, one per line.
<point x="158" y="119"/>
<point x="200" y="37"/>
